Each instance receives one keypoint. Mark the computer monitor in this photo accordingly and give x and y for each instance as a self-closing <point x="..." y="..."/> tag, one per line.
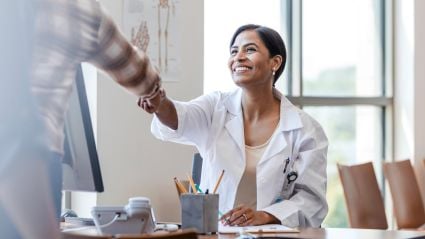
<point x="81" y="169"/>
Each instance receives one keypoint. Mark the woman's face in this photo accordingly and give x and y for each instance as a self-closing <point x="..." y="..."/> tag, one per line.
<point x="250" y="61"/>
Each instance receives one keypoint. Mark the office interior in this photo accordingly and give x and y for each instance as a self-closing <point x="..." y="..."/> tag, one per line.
<point x="134" y="163"/>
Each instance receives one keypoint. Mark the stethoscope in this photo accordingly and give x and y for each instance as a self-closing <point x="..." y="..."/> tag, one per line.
<point x="292" y="176"/>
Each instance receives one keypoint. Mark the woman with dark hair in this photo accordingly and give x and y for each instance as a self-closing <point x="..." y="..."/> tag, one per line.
<point x="273" y="153"/>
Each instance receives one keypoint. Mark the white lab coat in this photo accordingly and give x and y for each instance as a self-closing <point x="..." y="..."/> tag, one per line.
<point x="214" y="124"/>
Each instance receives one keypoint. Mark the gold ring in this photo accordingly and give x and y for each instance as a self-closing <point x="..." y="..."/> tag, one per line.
<point x="244" y="216"/>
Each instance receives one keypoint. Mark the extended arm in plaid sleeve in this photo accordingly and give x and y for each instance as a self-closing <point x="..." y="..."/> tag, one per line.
<point x="129" y="66"/>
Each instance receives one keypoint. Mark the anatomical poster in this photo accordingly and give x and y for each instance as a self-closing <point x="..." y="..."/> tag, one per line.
<point x="152" y="26"/>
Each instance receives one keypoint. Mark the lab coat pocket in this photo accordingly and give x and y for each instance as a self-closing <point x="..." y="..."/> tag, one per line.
<point x="290" y="176"/>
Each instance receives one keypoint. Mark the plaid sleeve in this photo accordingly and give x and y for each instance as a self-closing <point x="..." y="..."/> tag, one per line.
<point x="129" y="66"/>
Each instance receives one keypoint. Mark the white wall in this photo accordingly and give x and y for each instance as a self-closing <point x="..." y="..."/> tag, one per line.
<point x="133" y="162"/>
<point x="420" y="79"/>
<point x="419" y="93"/>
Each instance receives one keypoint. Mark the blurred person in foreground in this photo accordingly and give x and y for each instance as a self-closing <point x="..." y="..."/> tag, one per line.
<point x="43" y="42"/>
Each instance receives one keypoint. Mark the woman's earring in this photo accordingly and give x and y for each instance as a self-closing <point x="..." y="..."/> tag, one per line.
<point x="274" y="72"/>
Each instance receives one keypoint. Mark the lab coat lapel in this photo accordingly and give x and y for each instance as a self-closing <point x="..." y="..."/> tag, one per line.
<point x="276" y="145"/>
<point x="289" y="120"/>
<point x="234" y="124"/>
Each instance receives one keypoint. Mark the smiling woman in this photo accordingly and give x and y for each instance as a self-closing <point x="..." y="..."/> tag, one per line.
<point x="263" y="142"/>
<point x="340" y="74"/>
<point x="257" y="44"/>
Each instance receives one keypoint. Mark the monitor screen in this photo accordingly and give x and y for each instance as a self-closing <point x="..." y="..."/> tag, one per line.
<point x="81" y="169"/>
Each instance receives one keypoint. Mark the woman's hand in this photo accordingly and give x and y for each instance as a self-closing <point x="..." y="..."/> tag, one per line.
<point x="245" y="216"/>
<point x="164" y="108"/>
<point x="152" y="102"/>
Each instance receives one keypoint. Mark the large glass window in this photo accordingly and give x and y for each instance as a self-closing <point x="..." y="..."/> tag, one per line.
<point x="338" y="77"/>
<point x="336" y="71"/>
<point x="222" y="18"/>
<point x="355" y="136"/>
<point x="341" y="54"/>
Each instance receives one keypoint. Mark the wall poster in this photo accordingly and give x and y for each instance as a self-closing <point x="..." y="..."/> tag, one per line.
<point x="152" y="25"/>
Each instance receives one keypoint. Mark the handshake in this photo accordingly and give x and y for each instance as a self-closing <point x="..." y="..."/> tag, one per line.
<point x="158" y="103"/>
<point x="151" y="102"/>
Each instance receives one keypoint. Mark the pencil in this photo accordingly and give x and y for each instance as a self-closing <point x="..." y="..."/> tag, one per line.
<point x="177" y="186"/>
<point x="192" y="184"/>
<point x="218" y="182"/>
<point x="180" y="186"/>
<point x="198" y="188"/>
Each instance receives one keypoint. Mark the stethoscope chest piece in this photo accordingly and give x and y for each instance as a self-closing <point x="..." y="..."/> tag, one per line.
<point x="292" y="176"/>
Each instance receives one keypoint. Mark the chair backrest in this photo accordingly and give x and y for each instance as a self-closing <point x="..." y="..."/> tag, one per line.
<point x="419" y="168"/>
<point x="185" y="234"/>
<point x="407" y="200"/>
<point x="362" y="196"/>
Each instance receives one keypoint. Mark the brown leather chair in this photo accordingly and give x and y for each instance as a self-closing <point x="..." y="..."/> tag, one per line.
<point x="419" y="168"/>
<point x="407" y="200"/>
<point x="362" y="196"/>
<point x="185" y="234"/>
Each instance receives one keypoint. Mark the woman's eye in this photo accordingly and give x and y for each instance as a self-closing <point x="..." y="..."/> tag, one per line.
<point x="233" y="52"/>
<point x="251" y="49"/>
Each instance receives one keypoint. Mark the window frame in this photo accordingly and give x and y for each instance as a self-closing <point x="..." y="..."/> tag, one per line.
<point x="292" y="15"/>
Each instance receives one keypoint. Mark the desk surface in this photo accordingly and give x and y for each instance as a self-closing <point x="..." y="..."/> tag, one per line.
<point x="320" y="233"/>
<point x="336" y="233"/>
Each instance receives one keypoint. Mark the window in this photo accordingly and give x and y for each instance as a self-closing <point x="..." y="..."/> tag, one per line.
<point x="222" y="18"/>
<point x="355" y="135"/>
<point x="338" y="76"/>
<point x="341" y="54"/>
<point x="337" y="71"/>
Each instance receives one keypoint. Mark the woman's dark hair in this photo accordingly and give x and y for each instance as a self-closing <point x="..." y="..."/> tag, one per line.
<point x="271" y="39"/>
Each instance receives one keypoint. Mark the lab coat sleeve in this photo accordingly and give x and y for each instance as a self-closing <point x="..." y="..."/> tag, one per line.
<point x="194" y="121"/>
<point x="307" y="206"/>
